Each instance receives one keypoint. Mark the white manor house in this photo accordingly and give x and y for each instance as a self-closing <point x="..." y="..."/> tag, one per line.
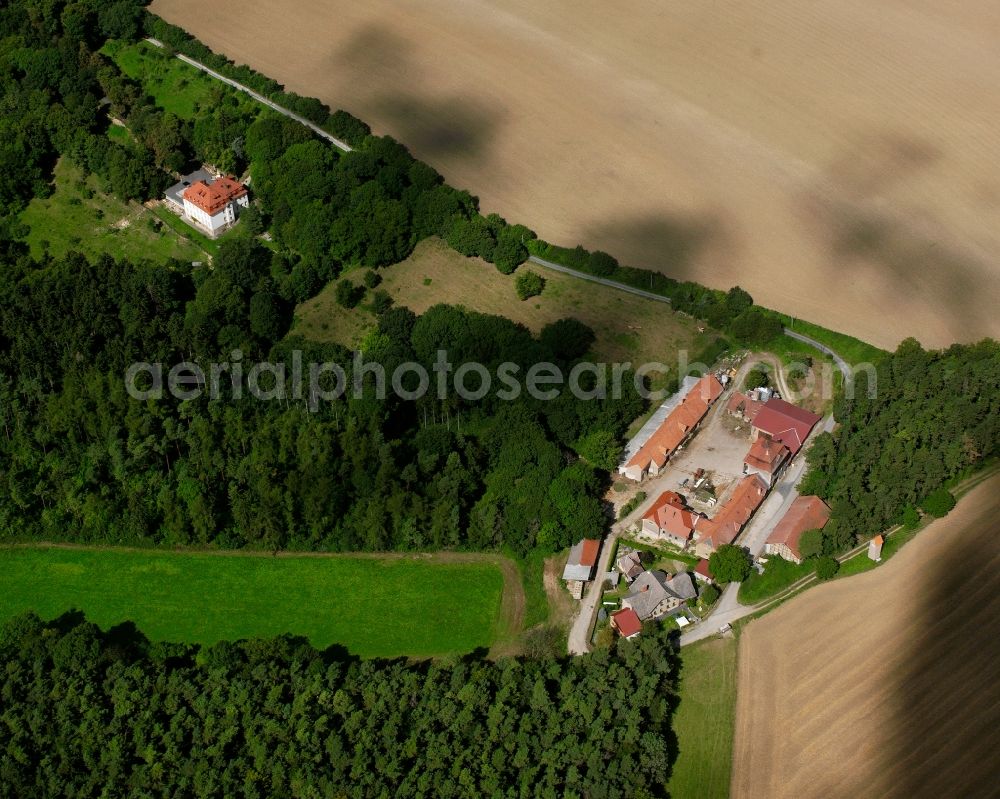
<point x="211" y="204"/>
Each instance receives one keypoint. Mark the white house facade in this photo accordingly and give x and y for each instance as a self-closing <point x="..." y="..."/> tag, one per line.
<point x="211" y="204"/>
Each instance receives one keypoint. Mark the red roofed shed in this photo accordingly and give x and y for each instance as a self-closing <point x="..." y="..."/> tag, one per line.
<point x="626" y="621"/>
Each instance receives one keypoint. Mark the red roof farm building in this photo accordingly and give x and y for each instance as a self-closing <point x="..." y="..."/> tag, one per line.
<point x="731" y="518"/>
<point x="675" y="430"/>
<point x="766" y="457"/>
<point x="786" y="423"/>
<point x="671" y="518"/>
<point x="806" y="513"/>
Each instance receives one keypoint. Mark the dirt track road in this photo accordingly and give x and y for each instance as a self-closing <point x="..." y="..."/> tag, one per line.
<point x="883" y="684"/>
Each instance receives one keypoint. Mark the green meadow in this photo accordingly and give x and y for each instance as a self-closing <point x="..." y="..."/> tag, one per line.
<point x="80" y="216"/>
<point x="390" y="606"/>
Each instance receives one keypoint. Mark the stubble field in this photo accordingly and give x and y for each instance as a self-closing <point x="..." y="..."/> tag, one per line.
<point x="883" y="684"/>
<point x="836" y="158"/>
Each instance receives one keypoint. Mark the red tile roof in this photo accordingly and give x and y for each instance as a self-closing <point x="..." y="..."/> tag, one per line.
<point x="766" y="455"/>
<point x="727" y="523"/>
<point x="669" y="513"/>
<point x="742" y="405"/>
<point x="786" y="423"/>
<point x="805" y="513"/>
<point x="627" y="622"/>
<point x="702" y="569"/>
<point x="679" y="422"/>
<point x="588" y="557"/>
<point x="213" y="197"/>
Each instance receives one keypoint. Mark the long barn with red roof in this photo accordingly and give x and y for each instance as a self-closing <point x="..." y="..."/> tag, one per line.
<point x="679" y="425"/>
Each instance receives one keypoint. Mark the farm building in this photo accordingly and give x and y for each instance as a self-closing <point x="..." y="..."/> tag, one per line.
<point x="580" y="565"/>
<point x="805" y="513"/>
<point x="746" y="406"/>
<point x="766" y="458"/>
<point x="630" y="565"/>
<point x="626" y="622"/>
<point x="210" y="204"/>
<point x="671" y="519"/>
<point x="875" y="549"/>
<point x="702" y="572"/>
<point x="732" y="516"/>
<point x="786" y="423"/>
<point x="654" y="422"/>
<point x="679" y="425"/>
<point x="653" y="594"/>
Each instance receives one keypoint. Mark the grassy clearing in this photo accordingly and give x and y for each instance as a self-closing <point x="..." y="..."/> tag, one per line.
<point x="628" y="328"/>
<point x="80" y="216"/>
<point x="778" y="575"/>
<point x="186" y="231"/>
<point x="388" y="606"/>
<point x="174" y="86"/>
<point x="537" y="608"/>
<point x="121" y="135"/>
<point x="704" y="720"/>
<point x="664" y="552"/>
<point x="893" y="543"/>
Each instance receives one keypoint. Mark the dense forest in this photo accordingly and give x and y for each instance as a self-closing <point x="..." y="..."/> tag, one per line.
<point x="933" y="417"/>
<point x="88" y="713"/>
<point x="82" y="460"/>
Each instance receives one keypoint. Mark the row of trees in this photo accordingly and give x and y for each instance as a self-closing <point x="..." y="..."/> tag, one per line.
<point x="340" y="123"/>
<point x="110" y="714"/>
<point x="732" y="311"/>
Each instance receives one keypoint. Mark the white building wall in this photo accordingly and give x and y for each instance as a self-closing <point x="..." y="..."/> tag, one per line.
<point x="215" y="222"/>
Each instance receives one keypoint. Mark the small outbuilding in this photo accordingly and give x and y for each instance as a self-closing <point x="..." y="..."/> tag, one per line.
<point x="630" y="565"/>
<point x="875" y="549"/>
<point x="626" y="622"/>
<point x="580" y="565"/>
<point x="702" y="573"/>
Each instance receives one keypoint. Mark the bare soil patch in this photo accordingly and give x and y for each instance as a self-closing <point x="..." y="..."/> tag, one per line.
<point x="884" y="684"/>
<point x="835" y="158"/>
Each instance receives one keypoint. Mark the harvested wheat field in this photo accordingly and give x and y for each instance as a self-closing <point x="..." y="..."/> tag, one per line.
<point x="837" y="158"/>
<point x="885" y="684"/>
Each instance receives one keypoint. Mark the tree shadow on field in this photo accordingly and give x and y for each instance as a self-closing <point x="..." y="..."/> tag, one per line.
<point x="673" y="245"/>
<point x="946" y="697"/>
<point x="395" y="89"/>
<point x="859" y="239"/>
<point x="866" y="227"/>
